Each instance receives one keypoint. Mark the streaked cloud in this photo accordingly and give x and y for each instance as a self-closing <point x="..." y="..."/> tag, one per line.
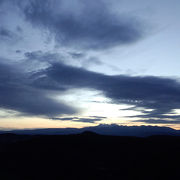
<point x="89" y="119"/>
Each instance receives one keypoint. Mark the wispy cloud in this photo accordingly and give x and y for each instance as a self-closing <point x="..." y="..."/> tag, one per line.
<point x="89" y="119"/>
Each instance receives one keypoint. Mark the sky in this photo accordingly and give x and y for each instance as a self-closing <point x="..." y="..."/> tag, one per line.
<point x="67" y="63"/>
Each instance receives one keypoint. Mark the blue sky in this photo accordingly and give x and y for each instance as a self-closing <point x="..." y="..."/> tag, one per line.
<point x="80" y="63"/>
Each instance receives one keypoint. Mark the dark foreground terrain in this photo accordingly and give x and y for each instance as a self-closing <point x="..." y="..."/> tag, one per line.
<point x="89" y="156"/>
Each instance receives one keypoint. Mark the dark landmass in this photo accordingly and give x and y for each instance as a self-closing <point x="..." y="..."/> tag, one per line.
<point x="88" y="155"/>
<point x="113" y="129"/>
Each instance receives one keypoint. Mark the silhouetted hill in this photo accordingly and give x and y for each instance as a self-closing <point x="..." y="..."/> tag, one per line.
<point x="88" y="133"/>
<point x="89" y="156"/>
<point x="115" y="130"/>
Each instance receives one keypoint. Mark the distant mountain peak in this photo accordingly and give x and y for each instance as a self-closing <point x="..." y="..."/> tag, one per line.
<point x="89" y="133"/>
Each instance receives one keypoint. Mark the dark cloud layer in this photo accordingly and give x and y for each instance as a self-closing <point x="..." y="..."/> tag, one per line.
<point x="16" y="94"/>
<point x="30" y="92"/>
<point x="93" y="27"/>
<point x="161" y="95"/>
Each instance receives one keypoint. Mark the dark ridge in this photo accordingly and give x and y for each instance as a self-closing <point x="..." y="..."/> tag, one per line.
<point x="89" y="133"/>
<point x="114" y="130"/>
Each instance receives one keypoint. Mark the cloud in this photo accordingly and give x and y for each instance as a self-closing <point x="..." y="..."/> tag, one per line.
<point x="154" y="97"/>
<point x="91" y="61"/>
<point x="6" y="34"/>
<point x="17" y="93"/>
<point x="84" y="61"/>
<point x="18" y="51"/>
<point x="157" y="121"/>
<point x="88" y="25"/>
<point x="90" y="119"/>
<point x="29" y="85"/>
<point x="161" y="95"/>
<point x="76" y="55"/>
